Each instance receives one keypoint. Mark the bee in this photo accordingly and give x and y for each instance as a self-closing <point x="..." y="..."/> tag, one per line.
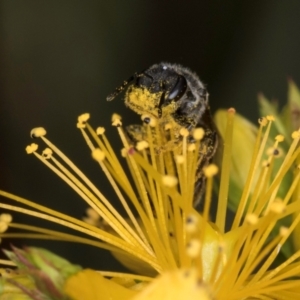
<point x="171" y="93"/>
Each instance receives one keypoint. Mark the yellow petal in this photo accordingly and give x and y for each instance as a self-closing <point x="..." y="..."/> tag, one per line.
<point x="90" y="285"/>
<point x="244" y="135"/>
<point x="176" y="285"/>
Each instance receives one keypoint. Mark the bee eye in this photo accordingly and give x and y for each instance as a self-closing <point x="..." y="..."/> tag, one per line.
<point x="143" y="79"/>
<point x="179" y="89"/>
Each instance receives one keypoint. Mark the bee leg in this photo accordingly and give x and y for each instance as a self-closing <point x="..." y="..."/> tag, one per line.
<point x="199" y="190"/>
<point x="136" y="133"/>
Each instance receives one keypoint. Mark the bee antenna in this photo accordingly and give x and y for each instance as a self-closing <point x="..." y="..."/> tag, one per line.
<point x="122" y="87"/>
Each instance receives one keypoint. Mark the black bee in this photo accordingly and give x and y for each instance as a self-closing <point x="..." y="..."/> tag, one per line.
<point x="173" y="94"/>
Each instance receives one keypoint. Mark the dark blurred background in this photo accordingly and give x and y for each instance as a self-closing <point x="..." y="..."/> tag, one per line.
<point x="59" y="59"/>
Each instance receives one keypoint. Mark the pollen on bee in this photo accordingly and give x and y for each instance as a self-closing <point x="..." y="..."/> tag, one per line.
<point x="168" y="126"/>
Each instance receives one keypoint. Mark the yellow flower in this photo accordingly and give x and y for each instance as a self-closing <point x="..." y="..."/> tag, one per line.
<point x="175" y="250"/>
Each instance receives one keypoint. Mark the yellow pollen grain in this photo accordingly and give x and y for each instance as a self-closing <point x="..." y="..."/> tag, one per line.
<point x="251" y="219"/>
<point x="279" y="138"/>
<point x="270" y="118"/>
<point x="283" y="231"/>
<point x="263" y="121"/>
<point x="211" y="170"/>
<point x="38" y="132"/>
<point x="198" y="134"/>
<point x="296" y="134"/>
<point x="100" y="130"/>
<point x="7" y="218"/>
<point x="184" y="132"/>
<point x="31" y="148"/>
<point x="169" y="181"/>
<point x="83" y="118"/>
<point x="98" y="154"/>
<point x="277" y="207"/>
<point x="3" y="226"/>
<point x="142" y="145"/>
<point x="47" y="153"/>
<point x="193" y="248"/>
<point x="191" y="147"/>
<point x="180" y="159"/>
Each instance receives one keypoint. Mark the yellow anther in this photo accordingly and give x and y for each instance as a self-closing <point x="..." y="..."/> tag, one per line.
<point x="100" y="130"/>
<point x="38" y="132"/>
<point x="142" y="145"/>
<point x="47" y="153"/>
<point x="5" y="218"/>
<point x="184" y="132"/>
<point x="83" y="118"/>
<point x="252" y="219"/>
<point x="270" y="118"/>
<point x="279" y="138"/>
<point x="31" y="148"/>
<point x="193" y="248"/>
<point x="211" y="170"/>
<point x="180" y="159"/>
<point x="169" y="181"/>
<point x="98" y="154"/>
<point x="198" y="134"/>
<point x="263" y="121"/>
